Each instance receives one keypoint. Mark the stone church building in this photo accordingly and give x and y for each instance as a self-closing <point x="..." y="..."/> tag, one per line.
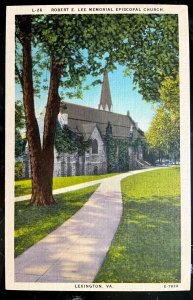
<point x="92" y="124"/>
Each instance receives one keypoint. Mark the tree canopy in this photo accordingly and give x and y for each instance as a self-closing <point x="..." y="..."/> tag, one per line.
<point x="147" y="45"/>
<point x="164" y="132"/>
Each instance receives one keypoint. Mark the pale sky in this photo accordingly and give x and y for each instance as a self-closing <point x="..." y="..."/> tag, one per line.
<point x="123" y="96"/>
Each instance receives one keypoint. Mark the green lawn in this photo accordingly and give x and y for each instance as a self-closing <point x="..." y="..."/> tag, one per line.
<point x="32" y="223"/>
<point x="23" y="187"/>
<point x="146" y="247"/>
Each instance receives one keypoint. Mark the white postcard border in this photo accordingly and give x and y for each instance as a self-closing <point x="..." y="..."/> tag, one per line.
<point x="182" y="12"/>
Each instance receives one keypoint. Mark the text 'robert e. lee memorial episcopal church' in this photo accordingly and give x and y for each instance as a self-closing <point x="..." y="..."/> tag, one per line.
<point x="115" y="140"/>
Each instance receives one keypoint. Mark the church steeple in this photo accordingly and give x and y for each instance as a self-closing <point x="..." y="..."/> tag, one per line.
<point x="105" y="101"/>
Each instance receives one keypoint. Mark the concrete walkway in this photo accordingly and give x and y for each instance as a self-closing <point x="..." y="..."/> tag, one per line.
<point x="75" y="251"/>
<point x="65" y="189"/>
<point x="80" y="185"/>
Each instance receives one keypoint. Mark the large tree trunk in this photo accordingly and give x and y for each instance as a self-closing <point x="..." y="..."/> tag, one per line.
<point x="42" y="190"/>
<point x="41" y="158"/>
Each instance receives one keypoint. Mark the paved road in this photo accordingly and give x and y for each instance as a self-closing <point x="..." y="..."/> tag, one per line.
<point x="75" y="251"/>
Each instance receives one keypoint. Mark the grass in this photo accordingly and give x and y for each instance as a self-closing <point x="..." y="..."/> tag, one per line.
<point x="32" y="223"/>
<point x="23" y="187"/>
<point x="146" y="247"/>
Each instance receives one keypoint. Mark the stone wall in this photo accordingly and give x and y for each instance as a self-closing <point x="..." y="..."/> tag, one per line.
<point x="93" y="162"/>
<point x="65" y="164"/>
<point x="89" y="164"/>
<point x="96" y="162"/>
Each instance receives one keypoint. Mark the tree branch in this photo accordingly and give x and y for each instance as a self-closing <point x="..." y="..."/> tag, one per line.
<point x="18" y="37"/>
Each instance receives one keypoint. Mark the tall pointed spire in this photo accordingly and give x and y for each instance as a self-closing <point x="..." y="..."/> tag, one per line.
<point x="105" y="101"/>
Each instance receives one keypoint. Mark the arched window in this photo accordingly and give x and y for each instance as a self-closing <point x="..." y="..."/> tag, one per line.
<point x="94" y="147"/>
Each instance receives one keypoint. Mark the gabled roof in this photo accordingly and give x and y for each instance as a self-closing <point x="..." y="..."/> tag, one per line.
<point x="87" y="129"/>
<point x="79" y="116"/>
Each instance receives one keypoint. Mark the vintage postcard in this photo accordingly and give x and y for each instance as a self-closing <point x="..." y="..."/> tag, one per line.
<point x="97" y="148"/>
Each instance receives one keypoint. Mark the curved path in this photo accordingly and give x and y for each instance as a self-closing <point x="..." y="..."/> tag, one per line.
<point x="75" y="251"/>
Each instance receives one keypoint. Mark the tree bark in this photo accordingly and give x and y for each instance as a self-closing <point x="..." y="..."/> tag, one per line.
<point x="42" y="193"/>
<point x="41" y="157"/>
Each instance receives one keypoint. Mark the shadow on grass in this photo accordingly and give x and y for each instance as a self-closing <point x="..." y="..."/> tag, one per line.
<point x="23" y="187"/>
<point x="32" y="223"/>
<point x="146" y="247"/>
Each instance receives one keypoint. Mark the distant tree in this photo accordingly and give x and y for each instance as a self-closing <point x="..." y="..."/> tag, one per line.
<point x="164" y="132"/>
<point x="19" y="115"/>
<point x="72" y="46"/>
<point x="19" y="144"/>
<point x="19" y="125"/>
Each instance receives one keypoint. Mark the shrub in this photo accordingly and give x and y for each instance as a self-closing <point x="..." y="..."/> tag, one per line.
<point x="18" y="170"/>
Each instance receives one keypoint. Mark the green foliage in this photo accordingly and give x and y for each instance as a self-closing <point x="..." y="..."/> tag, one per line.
<point x="118" y="151"/>
<point x="164" y="132"/>
<point x="23" y="187"/>
<point x="111" y="150"/>
<point x="19" y="124"/>
<point x="170" y="95"/>
<point x="146" y="247"/>
<point x="66" y="141"/>
<point x="32" y="223"/>
<point x="19" y="115"/>
<point x="20" y="144"/>
<point x="147" y="45"/>
<point x="123" y="158"/>
<point x="18" y="170"/>
<point x="117" y="155"/>
<point x="148" y="48"/>
<point x="150" y="155"/>
<point x="68" y="40"/>
<point x="111" y="155"/>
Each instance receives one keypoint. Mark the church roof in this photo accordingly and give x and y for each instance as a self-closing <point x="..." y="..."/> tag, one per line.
<point x="82" y="119"/>
<point x="105" y="100"/>
<point x="87" y="129"/>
